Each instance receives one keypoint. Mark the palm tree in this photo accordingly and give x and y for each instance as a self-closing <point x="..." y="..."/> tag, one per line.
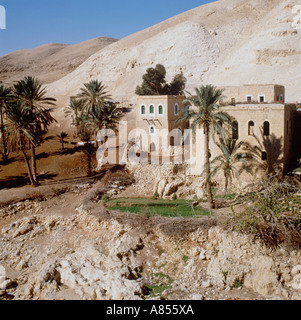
<point x="63" y="135"/>
<point x="74" y="110"/>
<point x="105" y="116"/>
<point x="31" y="95"/>
<point x="233" y="155"/>
<point x="4" y="99"/>
<point x="206" y="114"/>
<point x="20" y="132"/>
<point x="92" y="95"/>
<point x="88" y="148"/>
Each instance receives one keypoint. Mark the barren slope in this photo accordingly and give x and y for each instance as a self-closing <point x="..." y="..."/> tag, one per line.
<point x="229" y="42"/>
<point x="49" y="62"/>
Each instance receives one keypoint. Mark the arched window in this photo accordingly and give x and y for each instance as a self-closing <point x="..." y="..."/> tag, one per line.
<point x="235" y="131"/>
<point x="251" y="128"/>
<point x="152" y="109"/>
<point x="143" y="110"/>
<point x="266" y="128"/>
<point x="160" y="110"/>
<point x="177" y="109"/>
<point x="152" y="130"/>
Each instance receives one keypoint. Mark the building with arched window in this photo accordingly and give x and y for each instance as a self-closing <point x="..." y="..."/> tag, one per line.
<point x="160" y="113"/>
<point x="261" y="118"/>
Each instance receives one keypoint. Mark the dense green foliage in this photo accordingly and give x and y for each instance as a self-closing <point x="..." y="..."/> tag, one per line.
<point x="154" y="83"/>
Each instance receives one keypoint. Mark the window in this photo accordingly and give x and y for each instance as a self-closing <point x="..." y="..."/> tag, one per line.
<point x="235" y="134"/>
<point x="266" y="128"/>
<point x="281" y="98"/>
<point x="143" y="110"/>
<point x="152" y="130"/>
<point x="251" y="127"/>
<point x="261" y="99"/>
<point x="152" y="110"/>
<point x="249" y="99"/>
<point x="161" y="110"/>
<point x="264" y="156"/>
<point x="177" y="109"/>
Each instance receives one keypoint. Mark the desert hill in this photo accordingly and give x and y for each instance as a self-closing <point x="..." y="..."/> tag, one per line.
<point x="228" y="42"/>
<point x="49" y="62"/>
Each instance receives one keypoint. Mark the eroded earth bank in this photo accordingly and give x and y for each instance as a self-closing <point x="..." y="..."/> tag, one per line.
<point x="67" y="245"/>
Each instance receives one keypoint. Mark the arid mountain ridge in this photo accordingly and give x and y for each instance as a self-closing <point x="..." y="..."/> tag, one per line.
<point x="49" y="62"/>
<point x="228" y="42"/>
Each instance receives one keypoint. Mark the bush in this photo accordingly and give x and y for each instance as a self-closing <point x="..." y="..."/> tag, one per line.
<point x="271" y="213"/>
<point x="154" y="83"/>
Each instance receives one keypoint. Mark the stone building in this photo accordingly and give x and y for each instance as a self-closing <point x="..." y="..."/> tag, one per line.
<point x="261" y="118"/>
<point x="156" y="122"/>
<point x="250" y="94"/>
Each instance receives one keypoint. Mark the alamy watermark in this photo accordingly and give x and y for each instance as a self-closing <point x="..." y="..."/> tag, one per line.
<point x="2" y="17"/>
<point x="297" y="18"/>
<point x="139" y="147"/>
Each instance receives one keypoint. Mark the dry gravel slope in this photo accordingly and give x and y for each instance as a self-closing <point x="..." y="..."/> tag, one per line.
<point x="228" y="42"/>
<point x="49" y="62"/>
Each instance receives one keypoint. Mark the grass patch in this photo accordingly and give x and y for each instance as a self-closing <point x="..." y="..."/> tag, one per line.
<point x="153" y="207"/>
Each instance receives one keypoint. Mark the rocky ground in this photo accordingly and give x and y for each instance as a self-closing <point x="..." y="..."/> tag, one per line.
<point x="64" y="244"/>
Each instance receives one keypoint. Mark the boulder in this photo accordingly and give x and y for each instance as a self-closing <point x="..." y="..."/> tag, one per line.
<point x="161" y="187"/>
<point x="172" y="187"/>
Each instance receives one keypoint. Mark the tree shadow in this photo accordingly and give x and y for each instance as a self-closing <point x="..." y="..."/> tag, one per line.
<point x="267" y="154"/>
<point x="23" y="180"/>
<point x="14" y="182"/>
<point x="68" y="151"/>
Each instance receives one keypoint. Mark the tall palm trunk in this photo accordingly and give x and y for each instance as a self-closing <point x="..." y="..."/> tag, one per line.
<point x="32" y="182"/>
<point x="89" y="168"/>
<point x="226" y="182"/>
<point x="5" y="158"/>
<point x="34" y="163"/>
<point x="207" y="166"/>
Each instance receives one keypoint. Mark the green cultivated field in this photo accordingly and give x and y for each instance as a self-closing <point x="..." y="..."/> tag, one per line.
<point x="152" y="207"/>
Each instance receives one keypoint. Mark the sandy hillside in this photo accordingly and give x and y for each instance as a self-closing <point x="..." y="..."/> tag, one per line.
<point x="49" y="62"/>
<point x="228" y="42"/>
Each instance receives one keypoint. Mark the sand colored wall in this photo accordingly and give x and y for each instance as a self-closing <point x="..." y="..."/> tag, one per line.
<point x="165" y="121"/>
<point x="280" y="118"/>
<point x="271" y="94"/>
